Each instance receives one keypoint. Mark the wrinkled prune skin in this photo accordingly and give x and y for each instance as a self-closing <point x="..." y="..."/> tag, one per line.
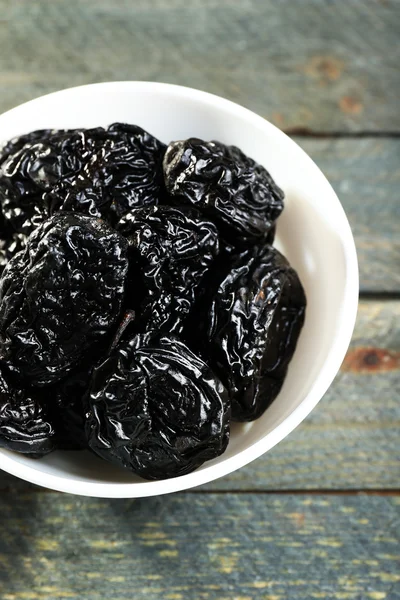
<point x="32" y="165"/>
<point x="99" y="172"/>
<point x="251" y="327"/>
<point x="156" y="409"/>
<point x="133" y="169"/>
<point x="17" y="143"/>
<point x="19" y="213"/>
<point x="226" y="185"/>
<point x="123" y="172"/>
<point x="24" y="424"/>
<point x="174" y="248"/>
<point x="61" y="295"/>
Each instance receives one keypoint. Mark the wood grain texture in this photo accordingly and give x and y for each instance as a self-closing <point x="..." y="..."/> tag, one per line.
<point x="324" y="66"/>
<point x="181" y="547"/>
<point x="327" y="66"/>
<point x="365" y="174"/>
<point x="351" y="439"/>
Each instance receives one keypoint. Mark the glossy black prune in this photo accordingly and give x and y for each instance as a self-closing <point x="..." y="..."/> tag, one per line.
<point x="226" y="185"/>
<point x="61" y="295"/>
<point x="123" y="172"/>
<point x="32" y="165"/>
<point x="251" y="326"/>
<point x="133" y="169"/>
<point x="24" y="424"/>
<point x="174" y="248"/>
<point x="99" y="172"/>
<point x="156" y="408"/>
<point x="116" y="246"/>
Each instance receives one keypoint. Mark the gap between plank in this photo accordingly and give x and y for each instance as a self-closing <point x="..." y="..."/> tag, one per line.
<point x="275" y="492"/>
<point x="310" y="133"/>
<point x="379" y="296"/>
<point x="305" y="492"/>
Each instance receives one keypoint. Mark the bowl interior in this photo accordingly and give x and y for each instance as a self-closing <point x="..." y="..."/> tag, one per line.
<point x="312" y="232"/>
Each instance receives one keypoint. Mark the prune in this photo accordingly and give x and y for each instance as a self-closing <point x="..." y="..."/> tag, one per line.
<point x="140" y="296"/>
<point x="16" y="144"/>
<point x="251" y="327"/>
<point x="156" y="408"/>
<point x="79" y="196"/>
<point x="32" y="165"/>
<point x="175" y="247"/>
<point x="132" y="168"/>
<point x="124" y="172"/>
<point x="99" y="172"/>
<point x="226" y="185"/>
<point x="61" y="295"/>
<point x="24" y="426"/>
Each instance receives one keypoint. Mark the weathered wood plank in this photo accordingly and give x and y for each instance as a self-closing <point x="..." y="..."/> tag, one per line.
<point x="366" y="176"/>
<point x="231" y="547"/>
<point x="351" y="439"/>
<point x="324" y="66"/>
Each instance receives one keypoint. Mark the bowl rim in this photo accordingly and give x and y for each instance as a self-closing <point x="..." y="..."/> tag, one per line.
<point x="337" y="351"/>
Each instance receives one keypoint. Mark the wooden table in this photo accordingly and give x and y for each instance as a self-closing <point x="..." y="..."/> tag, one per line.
<point x="318" y="516"/>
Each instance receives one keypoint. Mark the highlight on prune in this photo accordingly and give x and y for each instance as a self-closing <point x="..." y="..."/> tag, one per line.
<point x="174" y="248"/>
<point x="226" y="185"/>
<point x="252" y="321"/>
<point x="61" y="295"/>
<point x="142" y="305"/>
<point x="24" y="425"/>
<point x="156" y="408"/>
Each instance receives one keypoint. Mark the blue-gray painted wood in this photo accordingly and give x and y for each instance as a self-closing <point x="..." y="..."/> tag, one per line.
<point x="192" y="547"/>
<point x="328" y="66"/>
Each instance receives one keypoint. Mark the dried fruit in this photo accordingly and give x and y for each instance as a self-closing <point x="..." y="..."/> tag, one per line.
<point x="139" y="296"/>
<point x="226" y="185"/>
<point x="173" y="248"/>
<point x="122" y="171"/>
<point x="32" y="165"/>
<point x="24" y="426"/>
<point x="251" y="321"/>
<point x="156" y="408"/>
<point x="61" y="296"/>
<point x="98" y="172"/>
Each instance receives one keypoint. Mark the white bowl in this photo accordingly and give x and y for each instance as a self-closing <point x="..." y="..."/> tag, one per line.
<point x="313" y="233"/>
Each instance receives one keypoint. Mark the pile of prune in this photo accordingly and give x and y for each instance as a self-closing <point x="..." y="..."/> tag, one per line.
<point x="142" y="304"/>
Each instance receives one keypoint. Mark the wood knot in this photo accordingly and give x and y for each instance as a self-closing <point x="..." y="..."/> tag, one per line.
<point x="350" y="105"/>
<point x="371" y="360"/>
<point x="324" y="68"/>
